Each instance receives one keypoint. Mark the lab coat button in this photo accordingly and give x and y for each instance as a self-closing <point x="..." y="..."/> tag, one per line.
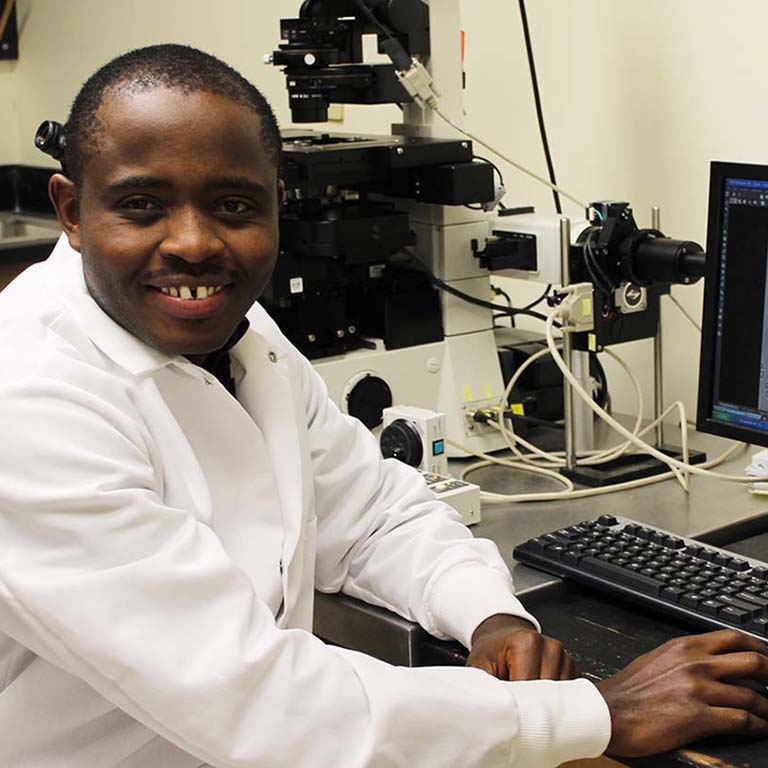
<point x="272" y="357"/>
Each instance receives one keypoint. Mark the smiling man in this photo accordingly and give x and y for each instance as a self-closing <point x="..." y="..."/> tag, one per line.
<point x="175" y="483"/>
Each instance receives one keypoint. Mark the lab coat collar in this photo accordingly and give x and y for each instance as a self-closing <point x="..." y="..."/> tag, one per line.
<point x="122" y="347"/>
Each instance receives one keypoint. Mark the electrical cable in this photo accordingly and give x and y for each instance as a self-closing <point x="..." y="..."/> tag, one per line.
<point x="493" y="165"/>
<point x="540" y="299"/>
<point x="443" y="286"/>
<point x="693" y="469"/>
<point x="372" y="18"/>
<point x="537" y="100"/>
<point x="508" y="159"/>
<point x="498" y="498"/>
<point x="685" y="312"/>
<point x="591" y="457"/>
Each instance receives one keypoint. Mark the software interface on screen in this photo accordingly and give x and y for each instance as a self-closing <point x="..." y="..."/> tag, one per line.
<point x="740" y="386"/>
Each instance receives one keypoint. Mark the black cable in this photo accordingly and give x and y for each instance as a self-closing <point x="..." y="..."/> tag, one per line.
<point x="540" y="299"/>
<point x="372" y="18"/>
<point x="438" y="283"/>
<point x="499" y="292"/>
<point x="493" y="165"/>
<point x="537" y="99"/>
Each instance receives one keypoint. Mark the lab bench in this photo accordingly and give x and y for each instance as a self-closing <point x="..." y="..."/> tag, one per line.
<point x="603" y="634"/>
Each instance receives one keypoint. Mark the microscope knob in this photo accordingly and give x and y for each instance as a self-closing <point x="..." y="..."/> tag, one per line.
<point x="401" y="440"/>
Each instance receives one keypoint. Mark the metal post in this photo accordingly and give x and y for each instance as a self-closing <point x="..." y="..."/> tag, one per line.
<point x="583" y="421"/>
<point x="658" y="369"/>
<point x="570" y="426"/>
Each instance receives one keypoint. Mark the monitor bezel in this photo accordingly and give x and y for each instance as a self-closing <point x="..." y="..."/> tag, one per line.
<point x="719" y="172"/>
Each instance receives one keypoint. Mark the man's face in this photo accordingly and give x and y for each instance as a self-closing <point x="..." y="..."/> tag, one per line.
<point x="176" y="217"/>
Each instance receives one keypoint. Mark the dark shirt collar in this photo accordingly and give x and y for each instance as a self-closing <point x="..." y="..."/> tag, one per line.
<point x="217" y="363"/>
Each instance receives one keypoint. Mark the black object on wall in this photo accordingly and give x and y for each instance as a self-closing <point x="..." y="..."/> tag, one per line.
<point x="9" y="33"/>
<point x="24" y="189"/>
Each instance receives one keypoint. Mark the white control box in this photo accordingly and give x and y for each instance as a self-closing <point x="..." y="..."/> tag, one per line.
<point x="462" y="496"/>
<point x="415" y="436"/>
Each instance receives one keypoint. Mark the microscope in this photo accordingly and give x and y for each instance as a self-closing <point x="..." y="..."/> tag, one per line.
<point x="388" y="245"/>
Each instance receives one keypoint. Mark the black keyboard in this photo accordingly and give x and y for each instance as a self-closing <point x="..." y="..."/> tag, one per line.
<point x="701" y="585"/>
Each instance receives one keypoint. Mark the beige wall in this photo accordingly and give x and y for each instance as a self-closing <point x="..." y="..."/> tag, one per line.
<point x="639" y="96"/>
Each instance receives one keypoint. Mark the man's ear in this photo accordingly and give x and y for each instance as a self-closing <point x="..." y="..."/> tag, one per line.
<point x="63" y="195"/>
<point x="280" y="193"/>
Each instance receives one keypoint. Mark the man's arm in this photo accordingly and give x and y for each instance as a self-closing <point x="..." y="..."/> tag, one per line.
<point x="384" y="538"/>
<point x="101" y="578"/>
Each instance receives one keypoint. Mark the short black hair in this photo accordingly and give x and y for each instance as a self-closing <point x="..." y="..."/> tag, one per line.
<point x="178" y="67"/>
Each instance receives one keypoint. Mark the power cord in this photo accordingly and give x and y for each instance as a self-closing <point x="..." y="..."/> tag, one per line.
<point x="537" y="100"/>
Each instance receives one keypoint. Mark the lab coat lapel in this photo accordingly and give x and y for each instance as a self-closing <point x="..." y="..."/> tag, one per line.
<point x="266" y="393"/>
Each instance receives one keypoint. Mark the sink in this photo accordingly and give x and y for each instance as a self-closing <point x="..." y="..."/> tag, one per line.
<point x="20" y="231"/>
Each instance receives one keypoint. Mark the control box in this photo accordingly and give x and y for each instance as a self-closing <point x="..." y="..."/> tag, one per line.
<point x="415" y="436"/>
<point x="462" y="496"/>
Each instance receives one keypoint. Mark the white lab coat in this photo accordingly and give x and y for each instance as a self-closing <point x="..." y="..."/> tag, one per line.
<point x="160" y="543"/>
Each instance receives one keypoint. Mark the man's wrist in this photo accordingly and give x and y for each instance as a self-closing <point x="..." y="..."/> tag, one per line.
<point x="501" y="621"/>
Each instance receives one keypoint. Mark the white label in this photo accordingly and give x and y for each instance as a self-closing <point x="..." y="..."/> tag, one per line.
<point x="377" y="270"/>
<point x="297" y="285"/>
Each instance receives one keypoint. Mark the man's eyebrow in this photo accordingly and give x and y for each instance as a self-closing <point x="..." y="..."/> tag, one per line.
<point x="138" y="181"/>
<point x="242" y="183"/>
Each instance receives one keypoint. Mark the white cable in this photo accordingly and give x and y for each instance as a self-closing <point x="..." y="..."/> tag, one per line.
<point x="498" y="498"/>
<point x="514" y="465"/>
<point x="685" y="312"/>
<point x="519" y="167"/>
<point x="592" y="457"/>
<point x="608" y="419"/>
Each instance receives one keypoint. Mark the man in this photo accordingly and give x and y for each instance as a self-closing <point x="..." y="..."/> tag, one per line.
<point x="174" y="484"/>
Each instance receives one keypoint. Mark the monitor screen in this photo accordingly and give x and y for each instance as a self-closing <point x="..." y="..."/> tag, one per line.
<point x="733" y="377"/>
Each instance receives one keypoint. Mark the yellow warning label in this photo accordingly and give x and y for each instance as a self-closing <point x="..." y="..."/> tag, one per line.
<point x="468" y="393"/>
<point x="592" y="342"/>
<point x="518" y="409"/>
<point x="488" y="393"/>
<point x="586" y="306"/>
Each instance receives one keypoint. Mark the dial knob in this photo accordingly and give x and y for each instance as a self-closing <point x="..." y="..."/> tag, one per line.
<point x="401" y="440"/>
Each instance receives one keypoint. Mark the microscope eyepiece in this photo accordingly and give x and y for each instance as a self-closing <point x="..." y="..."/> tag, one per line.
<point x="49" y="138"/>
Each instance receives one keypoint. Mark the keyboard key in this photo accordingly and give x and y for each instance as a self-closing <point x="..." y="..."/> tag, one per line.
<point x="673" y="542"/>
<point x="622" y="576"/>
<point x="734" y="615"/>
<point x="739" y="565"/>
<point x="691" y="600"/>
<point x="694" y="550"/>
<point x="711" y="606"/>
<point x="735" y="602"/>
<point x="722" y="559"/>
<point x="759" y="626"/>
<point x="672" y="594"/>
<point x="756" y="600"/>
<point x="607" y="520"/>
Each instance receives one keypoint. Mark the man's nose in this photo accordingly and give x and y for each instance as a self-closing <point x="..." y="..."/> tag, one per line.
<point x="191" y="236"/>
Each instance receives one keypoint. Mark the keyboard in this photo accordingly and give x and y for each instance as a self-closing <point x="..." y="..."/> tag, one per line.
<point x="700" y="585"/>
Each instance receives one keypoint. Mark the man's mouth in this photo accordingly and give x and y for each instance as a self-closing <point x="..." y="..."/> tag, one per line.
<point x="189" y="292"/>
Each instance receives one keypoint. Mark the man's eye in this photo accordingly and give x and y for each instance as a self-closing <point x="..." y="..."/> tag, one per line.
<point x="234" y="206"/>
<point x="140" y="204"/>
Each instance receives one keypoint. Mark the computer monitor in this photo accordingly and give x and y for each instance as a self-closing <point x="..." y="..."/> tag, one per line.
<point x="733" y="375"/>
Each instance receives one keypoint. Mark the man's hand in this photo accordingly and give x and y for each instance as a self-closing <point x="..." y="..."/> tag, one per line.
<point x="510" y="648"/>
<point x="680" y="693"/>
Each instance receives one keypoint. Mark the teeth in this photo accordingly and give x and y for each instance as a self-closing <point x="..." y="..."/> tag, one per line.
<point x="185" y="292"/>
